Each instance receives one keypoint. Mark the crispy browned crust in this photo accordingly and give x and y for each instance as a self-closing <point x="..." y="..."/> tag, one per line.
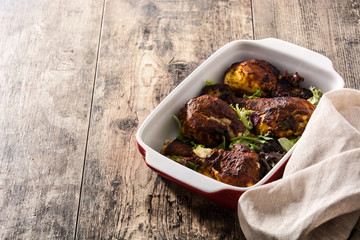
<point x="280" y="116"/>
<point x="206" y="119"/>
<point x="177" y="148"/>
<point x="250" y="75"/>
<point x="238" y="167"/>
<point x="219" y="90"/>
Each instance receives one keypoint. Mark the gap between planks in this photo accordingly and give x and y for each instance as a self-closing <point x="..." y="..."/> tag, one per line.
<point x="90" y="114"/>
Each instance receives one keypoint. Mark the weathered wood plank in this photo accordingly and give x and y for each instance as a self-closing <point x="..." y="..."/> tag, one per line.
<point x="47" y="65"/>
<point x="331" y="28"/>
<point x="148" y="48"/>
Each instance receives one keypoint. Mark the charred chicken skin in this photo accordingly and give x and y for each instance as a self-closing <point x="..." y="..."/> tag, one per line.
<point x="208" y="119"/>
<point x="177" y="148"/>
<point x="279" y="116"/>
<point x="250" y="75"/>
<point x="218" y="90"/>
<point x="238" y="167"/>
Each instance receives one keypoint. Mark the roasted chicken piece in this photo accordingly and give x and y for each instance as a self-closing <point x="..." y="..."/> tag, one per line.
<point x="279" y="116"/>
<point x="177" y="148"/>
<point x="250" y="75"/>
<point x="183" y="153"/>
<point x="238" y="167"/>
<point x="219" y="90"/>
<point x="208" y="119"/>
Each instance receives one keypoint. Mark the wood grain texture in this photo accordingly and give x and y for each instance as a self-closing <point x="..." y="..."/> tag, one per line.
<point x="148" y="48"/>
<point x="51" y="124"/>
<point x="47" y="70"/>
<point x="331" y="28"/>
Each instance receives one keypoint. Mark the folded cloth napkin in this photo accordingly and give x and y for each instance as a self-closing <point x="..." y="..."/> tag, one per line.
<point x="319" y="194"/>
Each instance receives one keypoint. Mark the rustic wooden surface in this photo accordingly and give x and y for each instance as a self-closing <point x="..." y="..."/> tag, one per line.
<point x="47" y="72"/>
<point x="77" y="78"/>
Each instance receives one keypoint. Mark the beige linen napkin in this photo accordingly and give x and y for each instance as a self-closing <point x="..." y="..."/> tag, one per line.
<point x="319" y="195"/>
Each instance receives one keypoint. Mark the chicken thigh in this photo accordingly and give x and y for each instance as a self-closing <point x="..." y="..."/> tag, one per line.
<point x="250" y="75"/>
<point x="208" y="119"/>
<point x="279" y="116"/>
<point x="239" y="166"/>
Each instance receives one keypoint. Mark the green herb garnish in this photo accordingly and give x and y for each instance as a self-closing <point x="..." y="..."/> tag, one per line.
<point x="257" y="94"/>
<point x="287" y="144"/>
<point x="250" y="141"/>
<point x="192" y="165"/>
<point x="243" y="115"/>
<point x="177" y="120"/>
<point x="317" y="94"/>
<point x="209" y="83"/>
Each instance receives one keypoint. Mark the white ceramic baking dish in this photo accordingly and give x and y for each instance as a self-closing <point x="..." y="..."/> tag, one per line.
<point x="159" y="126"/>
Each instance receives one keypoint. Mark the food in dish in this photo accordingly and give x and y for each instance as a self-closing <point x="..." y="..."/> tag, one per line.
<point x="239" y="166"/>
<point x="277" y="116"/>
<point x="208" y="119"/>
<point x="251" y="75"/>
<point x="236" y="131"/>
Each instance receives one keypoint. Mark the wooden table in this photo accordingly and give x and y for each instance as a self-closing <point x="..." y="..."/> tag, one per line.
<point x="77" y="78"/>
